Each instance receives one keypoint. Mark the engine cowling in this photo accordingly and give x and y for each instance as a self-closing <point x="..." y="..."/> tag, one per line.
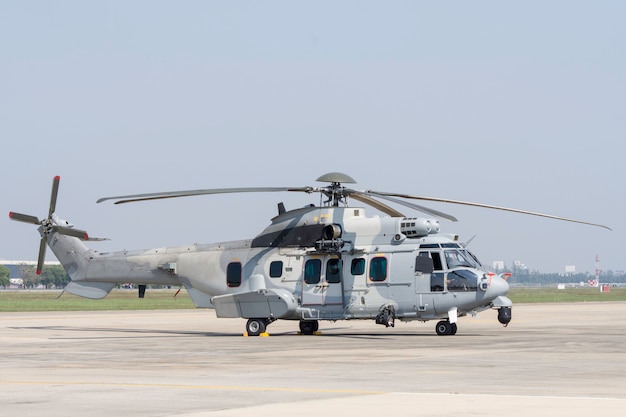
<point x="415" y="227"/>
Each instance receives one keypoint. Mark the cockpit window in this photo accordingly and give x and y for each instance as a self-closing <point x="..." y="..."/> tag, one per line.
<point x="456" y="258"/>
<point x="472" y="257"/>
<point x="429" y="246"/>
<point x="436" y="282"/>
<point x="462" y="280"/>
<point x="434" y="255"/>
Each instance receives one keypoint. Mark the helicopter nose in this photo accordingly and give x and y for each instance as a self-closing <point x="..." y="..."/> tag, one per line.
<point x="498" y="287"/>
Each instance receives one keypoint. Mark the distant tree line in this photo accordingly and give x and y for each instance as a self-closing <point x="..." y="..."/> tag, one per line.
<point x="525" y="276"/>
<point x="52" y="276"/>
<point x="4" y="276"/>
<point x="538" y="279"/>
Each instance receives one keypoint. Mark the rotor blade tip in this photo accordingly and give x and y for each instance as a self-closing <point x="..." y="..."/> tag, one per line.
<point x="57" y="178"/>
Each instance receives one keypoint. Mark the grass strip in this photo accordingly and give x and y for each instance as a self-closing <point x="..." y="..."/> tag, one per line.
<point x="161" y="299"/>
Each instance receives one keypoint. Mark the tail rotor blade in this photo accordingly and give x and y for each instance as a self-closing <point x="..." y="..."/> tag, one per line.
<point x="26" y="218"/>
<point x="42" y="255"/>
<point x="53" y="195"/>
<point x="81" y="234"/>
<point x="50" y="224"/>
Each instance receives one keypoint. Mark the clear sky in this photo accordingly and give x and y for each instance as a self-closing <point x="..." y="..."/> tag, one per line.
<point x="514" y="104"/>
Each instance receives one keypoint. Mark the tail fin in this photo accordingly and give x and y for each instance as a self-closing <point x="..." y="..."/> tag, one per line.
<point x="95" y="274"/>
<point x="71" y="252"/>
<point x="49" y="225"/>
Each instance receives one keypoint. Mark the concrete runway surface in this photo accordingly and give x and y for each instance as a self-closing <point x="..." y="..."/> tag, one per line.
<point x="553" y="359"/>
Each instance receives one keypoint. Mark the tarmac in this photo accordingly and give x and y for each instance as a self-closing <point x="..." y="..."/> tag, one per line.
<point x="553" y="359"/>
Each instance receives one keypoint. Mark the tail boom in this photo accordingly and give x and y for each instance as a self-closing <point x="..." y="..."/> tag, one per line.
<point x="94" y="275"/>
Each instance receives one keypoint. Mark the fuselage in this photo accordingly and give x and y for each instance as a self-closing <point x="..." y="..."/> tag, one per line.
<point x="313" y="263"/>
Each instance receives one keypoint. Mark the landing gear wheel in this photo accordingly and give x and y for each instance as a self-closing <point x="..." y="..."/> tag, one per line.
<point x="309" y="326"/>
<point x="255" y="327"/>
<point x="391" y="321"/>
<point x="445" y="328"/>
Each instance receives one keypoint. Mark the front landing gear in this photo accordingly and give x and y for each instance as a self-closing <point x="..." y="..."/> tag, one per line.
<point x="445" y="328"/>
<point x="309" y="326"/>
<point x="386" y="317"/>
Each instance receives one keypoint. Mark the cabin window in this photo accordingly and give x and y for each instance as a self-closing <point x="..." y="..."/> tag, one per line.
<point x="312" y="271"/>
<point x="333" y="271"/>
<point x="462" y="280"/>
<point x="378" y="269"/>
<point x="358" y="266"/>
<point x="276" y="269"/>
<point x="233" y="274"/>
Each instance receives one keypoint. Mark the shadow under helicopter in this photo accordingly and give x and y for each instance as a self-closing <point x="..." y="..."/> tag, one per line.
<point x="123" y="333"/>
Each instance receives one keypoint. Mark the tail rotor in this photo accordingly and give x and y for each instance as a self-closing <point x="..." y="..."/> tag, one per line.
<point x="49" y="225"/>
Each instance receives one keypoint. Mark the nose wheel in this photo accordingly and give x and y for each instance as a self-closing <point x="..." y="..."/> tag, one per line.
<point x="445" y="328"/>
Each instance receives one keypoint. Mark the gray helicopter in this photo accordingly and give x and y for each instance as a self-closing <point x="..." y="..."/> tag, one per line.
<point x="320" y="262"/>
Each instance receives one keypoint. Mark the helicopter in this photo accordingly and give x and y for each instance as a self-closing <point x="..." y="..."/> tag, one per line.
<point x="325" y="261"/>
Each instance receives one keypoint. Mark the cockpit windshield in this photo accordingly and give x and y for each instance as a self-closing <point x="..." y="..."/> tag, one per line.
<point x="472" y="257"/>
<point x="456" y="258"/>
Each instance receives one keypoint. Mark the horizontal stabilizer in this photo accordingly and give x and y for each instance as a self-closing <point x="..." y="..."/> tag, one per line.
<point x="93" y="290"/>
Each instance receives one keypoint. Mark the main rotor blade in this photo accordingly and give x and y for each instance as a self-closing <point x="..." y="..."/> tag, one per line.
<point x="53" y="195"/>
<point x="42" y="254"/>
<point x="81" y="234"/>
<point x="26" y="218"/>
<point x="417" y="207"/>
<point x="364" y="198"/>
<point x="175" y="194"/>
<point x="467" y="203"/>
